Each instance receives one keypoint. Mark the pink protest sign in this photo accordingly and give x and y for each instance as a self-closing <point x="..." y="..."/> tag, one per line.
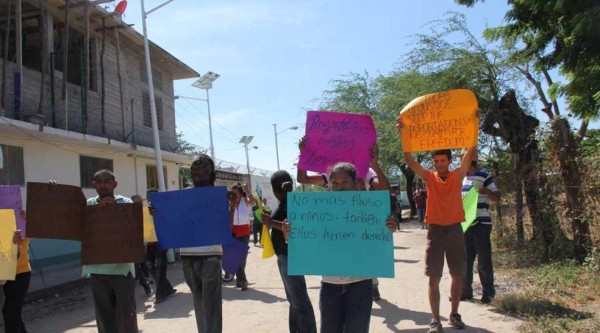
<point x="333" y="137"/>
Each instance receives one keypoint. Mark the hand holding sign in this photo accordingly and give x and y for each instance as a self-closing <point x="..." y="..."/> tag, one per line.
<point x="444" y="120"/>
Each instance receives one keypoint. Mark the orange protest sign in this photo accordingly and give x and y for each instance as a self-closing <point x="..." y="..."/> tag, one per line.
<point x="444" y="120"/>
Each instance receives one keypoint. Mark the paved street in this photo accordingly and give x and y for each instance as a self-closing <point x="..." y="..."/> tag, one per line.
<point x="263" y="308"/>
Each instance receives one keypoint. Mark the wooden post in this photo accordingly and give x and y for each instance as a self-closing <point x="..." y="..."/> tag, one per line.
<point x="64" y="94"/>
<point x="120" y="77"/>
<point x="86" y="66"/>
<point x="19" y="54"/>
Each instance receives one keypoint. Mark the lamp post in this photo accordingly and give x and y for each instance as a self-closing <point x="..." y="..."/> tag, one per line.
<point x="276" y="144"/>
<point x="157" y="150"/>
<point x="245" y="140"/>
<point x="205" y="82"/>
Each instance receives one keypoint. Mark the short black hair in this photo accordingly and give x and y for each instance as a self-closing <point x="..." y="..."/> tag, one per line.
<point x="279" y="178"/>
<point x="347" y="168"/>
<point x="209" y="160"/>
<point x="446" y="152"/>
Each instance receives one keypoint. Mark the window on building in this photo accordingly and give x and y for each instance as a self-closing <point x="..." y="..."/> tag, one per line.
<point x="12" y="169"/>
<point x="88" y="166"/>
<point x="146" y="108"/>
<point x="156" y="76"/>
<point x="152" y="177"/>
<point x="32" y="49"/>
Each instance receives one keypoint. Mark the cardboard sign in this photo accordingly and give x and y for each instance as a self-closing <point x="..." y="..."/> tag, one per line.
<point x="55" y="211"/>
<point x="470" y="206"/>
<point x="333" y="137"/>
<point x="340" y="234"/>
<point x="443" y="120"/>
<point x="10" y="197"/>
<point x="112" y="234"/>
<point x="149" y="232"/>
<point x="191" y="217"/>
<point x="233" y="254"/>
<point x="8" y="249"/>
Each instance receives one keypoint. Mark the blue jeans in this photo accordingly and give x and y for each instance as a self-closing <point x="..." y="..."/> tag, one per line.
<point x="478" y="244"/>
<point x="302" y="315"/>
<point x="346" y="308"/>
<point x="203" y="275"/>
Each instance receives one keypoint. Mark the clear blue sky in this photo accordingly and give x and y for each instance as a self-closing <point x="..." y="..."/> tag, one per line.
<point x="277" y="57"/>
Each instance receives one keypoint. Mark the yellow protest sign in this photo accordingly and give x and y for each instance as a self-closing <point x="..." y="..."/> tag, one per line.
<point x="267" y="243"/>
<point x="149" y="232"/>
<point x="444" y="120"/>
<point x="8" y="250"/>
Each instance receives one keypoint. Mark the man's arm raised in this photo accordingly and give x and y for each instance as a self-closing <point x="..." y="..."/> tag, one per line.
<point x="410" y="161"/>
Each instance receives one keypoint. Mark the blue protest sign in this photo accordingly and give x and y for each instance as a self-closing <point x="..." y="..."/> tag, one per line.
<point x="191" y="217"/>
<point x="340" y="234"/>
<point x="233" y="255"/>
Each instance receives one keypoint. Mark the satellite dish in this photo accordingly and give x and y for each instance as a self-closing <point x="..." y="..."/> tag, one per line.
<point x="121" y="7"/>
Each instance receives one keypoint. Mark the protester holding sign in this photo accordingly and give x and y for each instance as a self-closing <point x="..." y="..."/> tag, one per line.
<point x="240" y="227"/>
<point x="113" y="286"/>
<point x="477" y="236"/>
<point x="301" y="313"/>
<point x="444" y="236"/>
<point x="346" y="302"/>
<point x="202" y="264"/>
<point x="15" y="291"/>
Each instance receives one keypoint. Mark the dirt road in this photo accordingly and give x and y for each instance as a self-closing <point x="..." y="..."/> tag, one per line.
<point x="263" y="308"/>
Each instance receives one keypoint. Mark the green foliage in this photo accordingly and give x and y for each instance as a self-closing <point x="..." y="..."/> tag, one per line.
<point x="558" y="34"/>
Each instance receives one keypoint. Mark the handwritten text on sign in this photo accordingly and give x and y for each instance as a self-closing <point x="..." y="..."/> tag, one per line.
<point x="443" y="120"/>
<point x="191" y="217"/>
<point x="345" y="230"/>
<point x="333" y="137"/>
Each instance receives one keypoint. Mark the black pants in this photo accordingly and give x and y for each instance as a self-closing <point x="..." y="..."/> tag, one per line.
<point x="141" y="274"/>
<point x="478" y="244"/>
<point x="157" y="264"/>
<point x="14" y="295"/>
<point x="114" y="302"/>
<point x="256" y="231"/>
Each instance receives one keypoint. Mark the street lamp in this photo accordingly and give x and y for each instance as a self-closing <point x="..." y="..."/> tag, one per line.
<point x="157" y="150"/>
<point x="205" y="82"/>
<point x="245" y="140"/>
<point x="276" y="144"/>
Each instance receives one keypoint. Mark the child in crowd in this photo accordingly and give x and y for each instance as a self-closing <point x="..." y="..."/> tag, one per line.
<point x="345" y="302"/>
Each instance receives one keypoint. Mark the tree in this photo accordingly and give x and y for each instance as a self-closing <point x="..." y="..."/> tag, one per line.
<point x="549" y="34"/>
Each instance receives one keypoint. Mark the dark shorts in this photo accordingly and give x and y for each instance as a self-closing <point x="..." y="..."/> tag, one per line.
<point x="445" y="241"/>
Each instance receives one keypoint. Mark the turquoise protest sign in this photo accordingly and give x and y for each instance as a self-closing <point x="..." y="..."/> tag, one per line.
<point x="470" y="206"/>
<point x="340" y="234"/>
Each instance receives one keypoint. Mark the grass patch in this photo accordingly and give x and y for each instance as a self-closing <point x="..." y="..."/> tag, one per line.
<point x="553" y="297"/>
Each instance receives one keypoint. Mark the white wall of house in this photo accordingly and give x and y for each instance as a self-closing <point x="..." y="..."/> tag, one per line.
<point x="43" y="161"/>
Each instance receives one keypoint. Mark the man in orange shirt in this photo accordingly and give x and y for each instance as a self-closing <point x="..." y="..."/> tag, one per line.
<point x="445" y="238"/>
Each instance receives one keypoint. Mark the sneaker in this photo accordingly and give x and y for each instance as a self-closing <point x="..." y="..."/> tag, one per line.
<point x="435" y="327"/>
<point x="244" y="285"/>
<point x="376" y="295"/>
<point x="456" y="321"/>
